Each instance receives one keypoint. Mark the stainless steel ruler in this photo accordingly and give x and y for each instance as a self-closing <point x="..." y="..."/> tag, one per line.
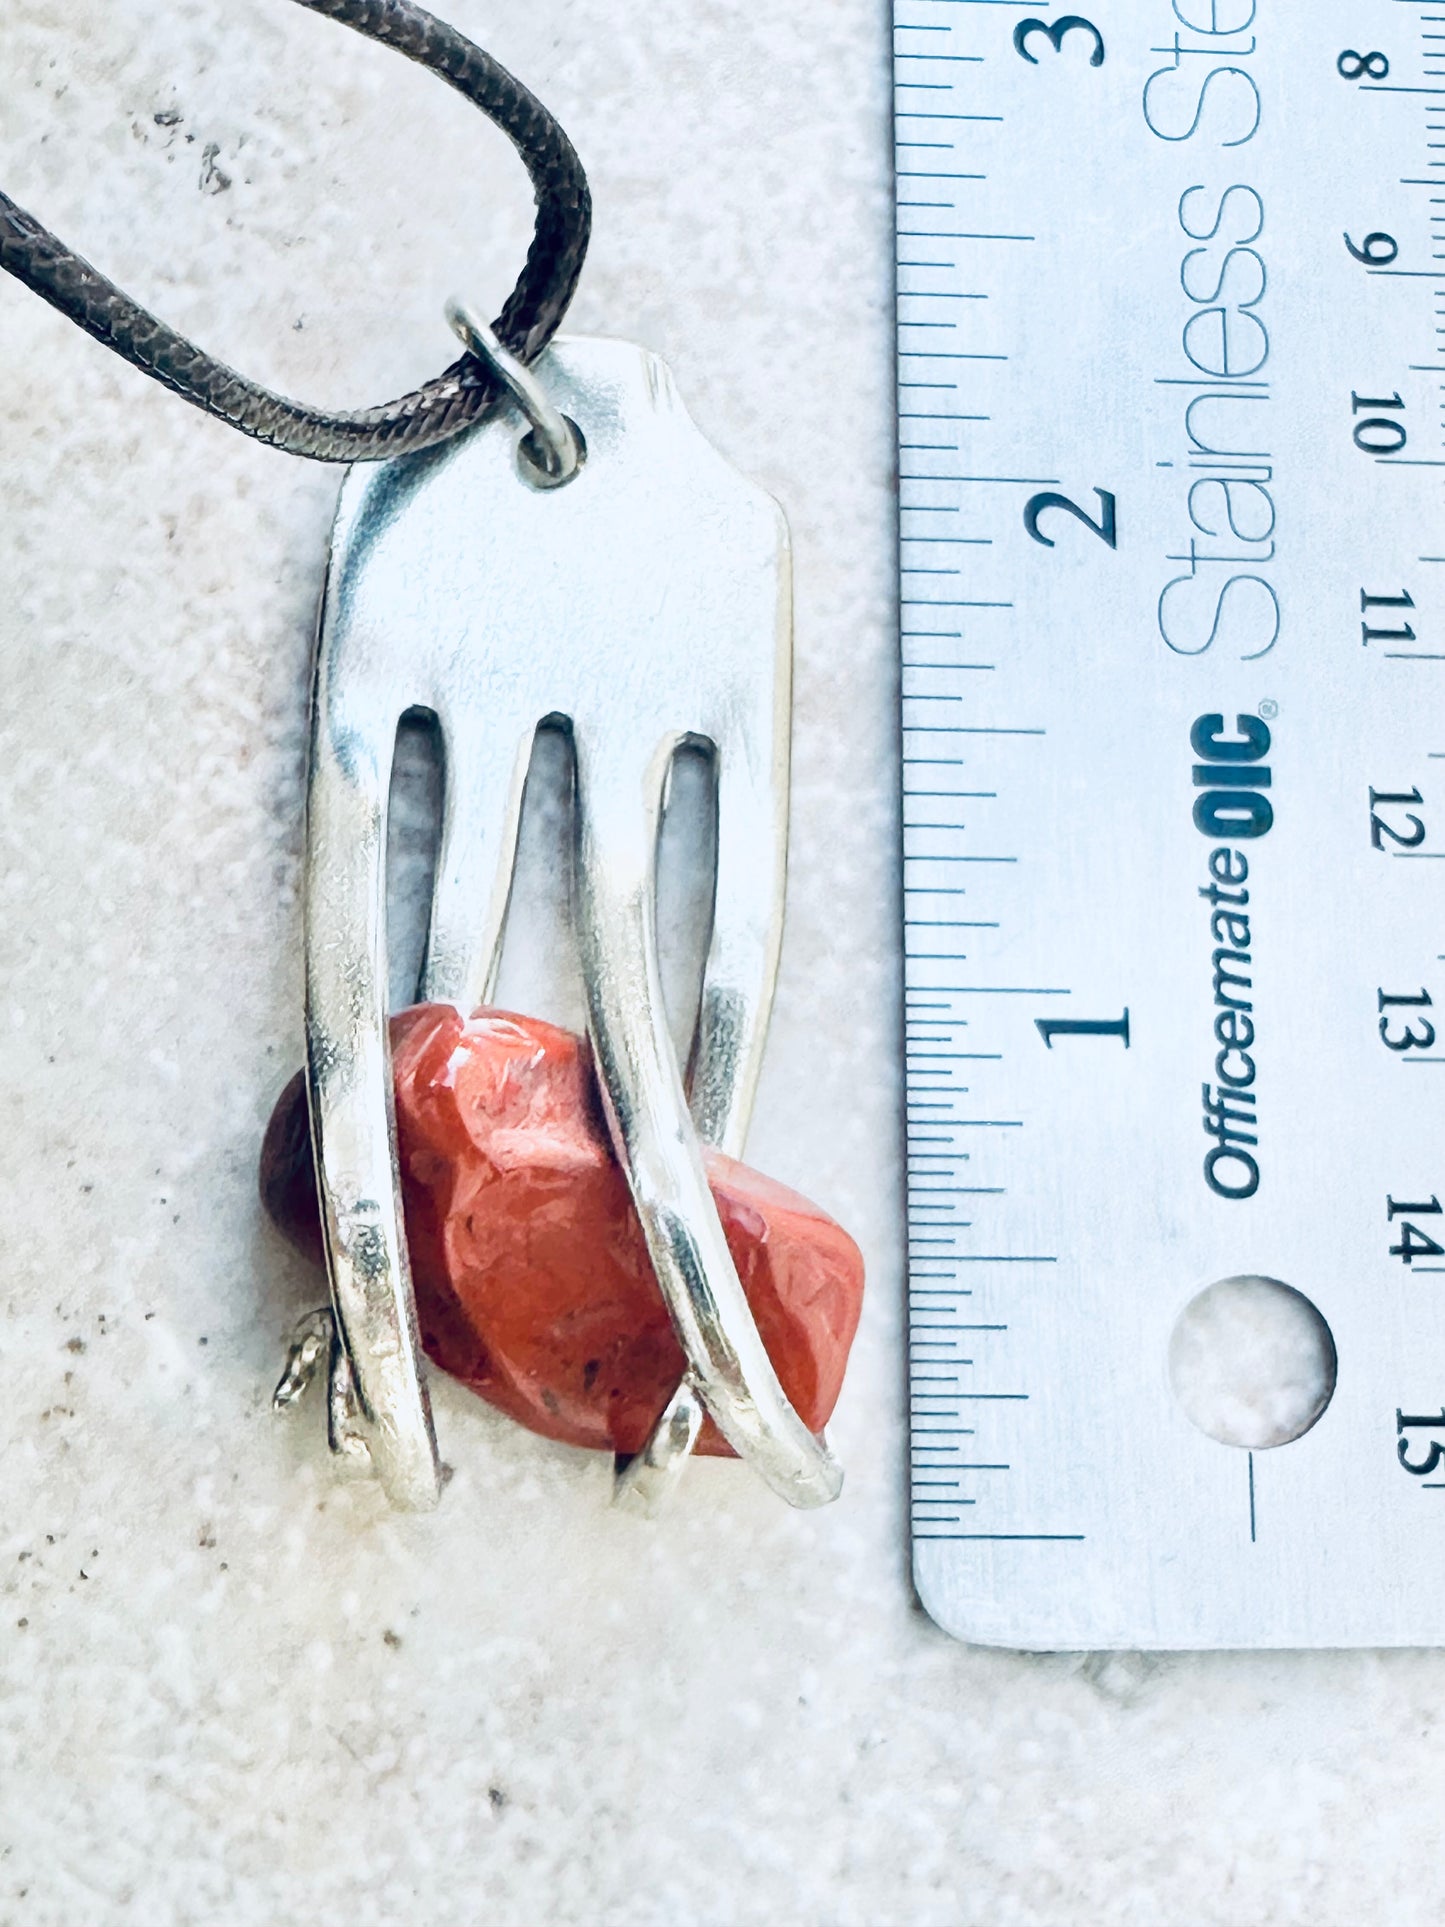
<point x="1172" y="373"/>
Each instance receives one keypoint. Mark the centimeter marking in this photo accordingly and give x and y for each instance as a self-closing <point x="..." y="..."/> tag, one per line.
<point x="967" y="739"/>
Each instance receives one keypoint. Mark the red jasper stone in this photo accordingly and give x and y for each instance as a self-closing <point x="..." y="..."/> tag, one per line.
<point x="532" y="1278"/>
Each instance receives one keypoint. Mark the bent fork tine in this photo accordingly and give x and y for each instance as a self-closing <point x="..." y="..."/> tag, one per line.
<point x="747" y="933"/>
<point x="733" y="1014"/>
<point x="751" y="768"/>
<point x="617" y="814"/>
<point x="353" y="1117"/>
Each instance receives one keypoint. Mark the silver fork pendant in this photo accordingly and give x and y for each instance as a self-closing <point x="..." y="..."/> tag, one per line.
<point x="645" y="605"/>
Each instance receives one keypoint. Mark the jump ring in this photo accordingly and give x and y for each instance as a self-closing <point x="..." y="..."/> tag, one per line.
<point x="555" y="454"/>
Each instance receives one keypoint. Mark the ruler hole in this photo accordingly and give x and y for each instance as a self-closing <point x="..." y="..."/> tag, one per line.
<point x="1252" y="1362"/>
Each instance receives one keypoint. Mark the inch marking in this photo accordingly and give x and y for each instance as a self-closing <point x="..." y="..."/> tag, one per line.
<point x="939" y="295"/>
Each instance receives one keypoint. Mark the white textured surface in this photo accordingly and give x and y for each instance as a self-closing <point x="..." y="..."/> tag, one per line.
<point x="232" y="1691"/>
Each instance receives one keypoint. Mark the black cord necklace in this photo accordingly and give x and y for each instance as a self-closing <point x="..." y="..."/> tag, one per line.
<point x="468" y="389"/>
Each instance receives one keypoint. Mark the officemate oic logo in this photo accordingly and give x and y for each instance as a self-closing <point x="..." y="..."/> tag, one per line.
<point x="1233" y="806"/>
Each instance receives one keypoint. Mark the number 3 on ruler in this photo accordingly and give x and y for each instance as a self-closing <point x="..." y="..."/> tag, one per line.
<point x="1106" y="528"/>
<point x="1057" y="33"/>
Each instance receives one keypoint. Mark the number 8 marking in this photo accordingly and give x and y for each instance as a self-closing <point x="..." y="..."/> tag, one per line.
<point x="1358" y="66"/>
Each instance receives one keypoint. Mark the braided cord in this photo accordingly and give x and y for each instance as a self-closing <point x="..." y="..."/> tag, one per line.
<point x="465" y="391"/>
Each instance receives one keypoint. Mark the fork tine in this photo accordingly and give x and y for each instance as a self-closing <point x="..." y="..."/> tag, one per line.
<point x="616" y="841"/>
<point x="384" y="1410"/>
<point x="485" y="775"/>
<point x="732" y="1026"/>
<point x="645" y="1485"/>
<point x="742" y="960"/>
<point x="751" y="766"/>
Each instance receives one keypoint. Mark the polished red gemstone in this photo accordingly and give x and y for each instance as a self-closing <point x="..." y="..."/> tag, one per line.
<point x="532" y="1278"/>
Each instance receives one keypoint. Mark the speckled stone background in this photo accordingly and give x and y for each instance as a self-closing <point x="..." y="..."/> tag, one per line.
<point x="233" y="1691"/>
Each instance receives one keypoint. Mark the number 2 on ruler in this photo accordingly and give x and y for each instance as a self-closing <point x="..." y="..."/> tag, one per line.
<point x="1106" y="528"/>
